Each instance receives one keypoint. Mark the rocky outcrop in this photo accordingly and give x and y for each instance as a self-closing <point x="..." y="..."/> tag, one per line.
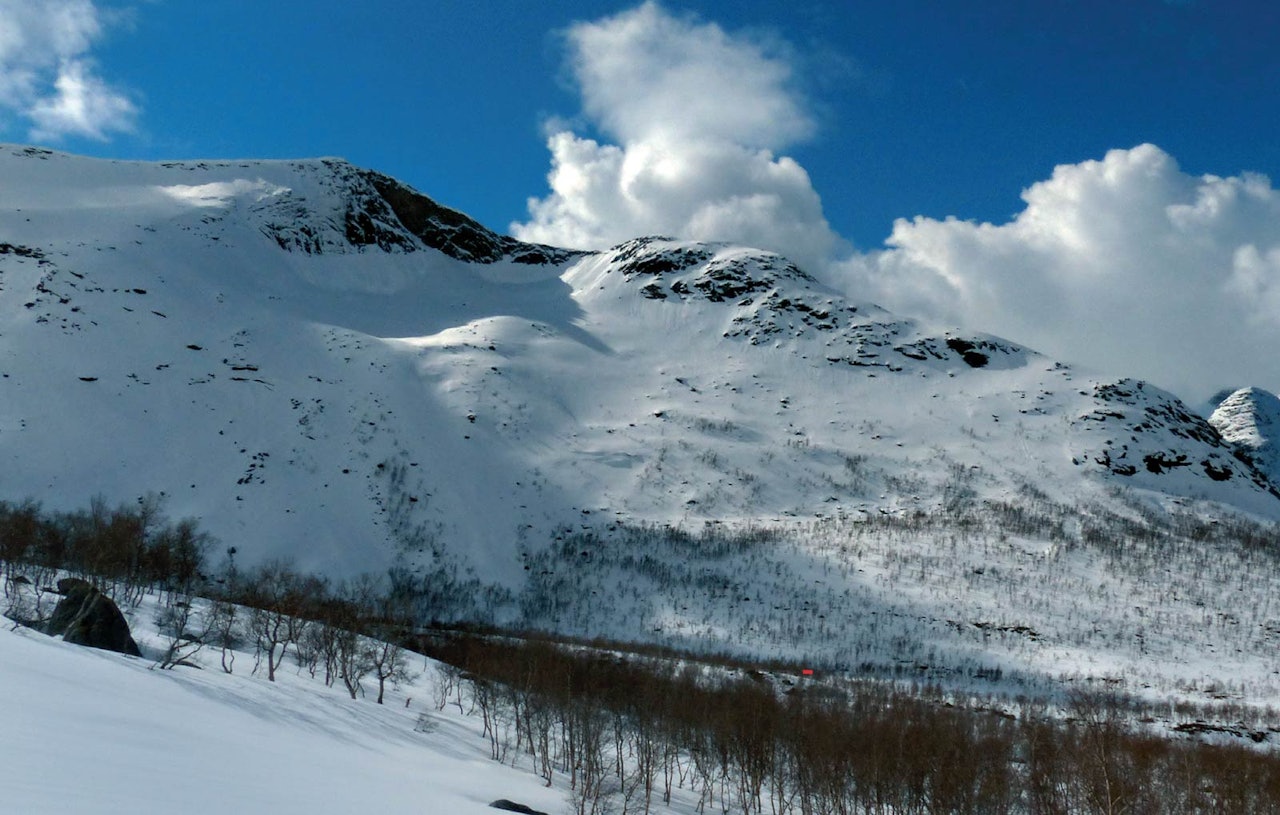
<point x="86" y="616"/>
<point x="512" y="806"/>
<point x="453" y="233"/>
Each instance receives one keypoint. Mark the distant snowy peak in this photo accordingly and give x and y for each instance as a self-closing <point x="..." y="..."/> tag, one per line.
<point x="722" y="272"/>
<point x="1250" y="419"/>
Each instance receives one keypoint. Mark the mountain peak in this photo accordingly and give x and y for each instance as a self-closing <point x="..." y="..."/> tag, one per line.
<point x="1250" y="418"/>
<point x="380" y="211"/>
<point x="667" y="267"/>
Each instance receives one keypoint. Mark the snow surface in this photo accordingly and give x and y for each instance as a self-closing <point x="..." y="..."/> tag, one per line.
<point x="90" y="731"/>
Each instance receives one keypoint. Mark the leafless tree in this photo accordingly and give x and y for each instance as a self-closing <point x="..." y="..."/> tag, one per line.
<point x="349" y="615"/>
<point x="448" y="683"/>
<point x="278" y="596"/>
<point x="353" y="660"/>
<point x="19" y="528"/>
<point x="387" y="664"/>
<point x="184" y="630"/>
<point x="224" y="630"/>
<point x="387" y="657"/>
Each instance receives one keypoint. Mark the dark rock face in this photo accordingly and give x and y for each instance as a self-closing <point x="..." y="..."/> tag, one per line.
<point x="968" y="352"/>
<point x="512" y="806"/>
<point x="383" y="213"/>
<point x="440" y="228"/>
<point x="86" y="616"/>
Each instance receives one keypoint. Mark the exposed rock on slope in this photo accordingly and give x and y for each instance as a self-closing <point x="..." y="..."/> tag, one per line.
<point x="378" y="211"/>
<point x="86" y="616"/>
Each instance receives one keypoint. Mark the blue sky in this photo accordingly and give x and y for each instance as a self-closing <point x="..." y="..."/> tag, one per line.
<point x="830" y="119"/>
<point x="934" y="108"/>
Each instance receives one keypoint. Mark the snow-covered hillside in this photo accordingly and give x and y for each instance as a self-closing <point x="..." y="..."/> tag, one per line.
<point x="96" y="732"/>
<point x="318" y="362"/>
<point x="278" y="348"/>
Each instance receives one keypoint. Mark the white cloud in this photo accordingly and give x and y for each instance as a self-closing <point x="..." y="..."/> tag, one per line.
<point x="46" y="75"/>
<point x="696" y="114"/>
<point x="82" y="104"/>
<point x="221" y="193"/>
<point x="646" y="73"/>
<point x="1126" y="264"/>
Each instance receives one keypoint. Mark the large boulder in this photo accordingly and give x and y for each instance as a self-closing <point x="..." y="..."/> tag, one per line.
<point x="512" y="806"/>
<point x="86" y="616"/>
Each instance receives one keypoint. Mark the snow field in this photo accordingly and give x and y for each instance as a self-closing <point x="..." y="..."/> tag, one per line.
<point x="97" y="733"/>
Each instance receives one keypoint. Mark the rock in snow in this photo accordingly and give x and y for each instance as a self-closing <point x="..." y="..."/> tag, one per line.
<point x="512" y="806"/>
<point x="86" y="616"/>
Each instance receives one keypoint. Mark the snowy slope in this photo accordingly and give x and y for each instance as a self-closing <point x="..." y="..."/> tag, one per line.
<point x="97" y="732"/>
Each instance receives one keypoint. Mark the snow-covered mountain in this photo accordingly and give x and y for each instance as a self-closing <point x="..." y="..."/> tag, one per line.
<point x="1250" y="419"/>
<point x="320" y="363"/>
<point x="317" y="361"/>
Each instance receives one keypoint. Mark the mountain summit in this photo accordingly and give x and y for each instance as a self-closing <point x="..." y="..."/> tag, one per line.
<point x="1250" y="419"/>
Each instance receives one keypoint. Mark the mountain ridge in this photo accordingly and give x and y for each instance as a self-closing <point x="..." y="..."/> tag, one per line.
<point x="694" y="445"/>
<point x="405" y="333"/>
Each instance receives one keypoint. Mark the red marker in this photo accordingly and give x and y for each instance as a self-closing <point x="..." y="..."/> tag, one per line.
<point x="806" y="672"/>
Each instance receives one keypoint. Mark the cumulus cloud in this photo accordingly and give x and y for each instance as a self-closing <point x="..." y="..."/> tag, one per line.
<point x="691" y="117"/>
<point x="1126" y="264"/>
<point x="47" y="75"/>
